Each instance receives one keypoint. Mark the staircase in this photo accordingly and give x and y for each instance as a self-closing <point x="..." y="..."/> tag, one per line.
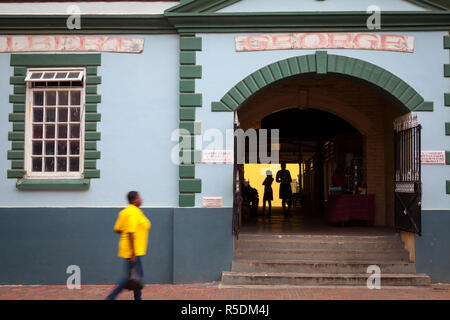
<point x="320" y="260"/>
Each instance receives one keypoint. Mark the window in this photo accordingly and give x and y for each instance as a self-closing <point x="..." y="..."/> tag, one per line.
<point x="54" y="144"/>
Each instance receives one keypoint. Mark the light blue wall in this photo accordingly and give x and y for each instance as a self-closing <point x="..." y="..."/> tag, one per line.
<point x="314" y="5"/>
<point x="223" y="67"/>
<point x="139" y="112"/>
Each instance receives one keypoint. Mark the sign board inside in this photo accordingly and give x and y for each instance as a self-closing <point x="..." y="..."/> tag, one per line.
<point x="212" y="202"/>
<point x="433" y="157"/>
<point x="46" y="43"/>
<point x="359" y="41"/>
<point x="217" y="156"/>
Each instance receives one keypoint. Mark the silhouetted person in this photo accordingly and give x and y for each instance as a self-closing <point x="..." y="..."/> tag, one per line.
<point x="268" y="192"/>
<point x="251" y="198"/>
<point x="338" y="178"/>
<point x="284" y="178"/>
<point x="133" y="226"/>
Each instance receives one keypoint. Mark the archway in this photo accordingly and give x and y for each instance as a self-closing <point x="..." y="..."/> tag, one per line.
<point x="364" y="95"/>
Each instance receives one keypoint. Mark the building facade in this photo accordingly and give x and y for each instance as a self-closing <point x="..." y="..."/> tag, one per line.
<point x="97" y="97"/>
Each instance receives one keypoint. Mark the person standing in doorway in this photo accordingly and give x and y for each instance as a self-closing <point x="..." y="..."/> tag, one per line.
<point x="284" y="179"/>
<point x="133" y="226"/>
<point x="268" y="192"/>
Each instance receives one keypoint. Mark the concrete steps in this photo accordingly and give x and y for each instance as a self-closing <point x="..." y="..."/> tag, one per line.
<point x="310" y="279"/>
<point x="321" y="254"/>
<point x="322" y="267"/>
<point x="320" y="260"/>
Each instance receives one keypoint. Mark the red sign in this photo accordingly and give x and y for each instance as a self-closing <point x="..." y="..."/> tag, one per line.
<point x="70" y="43"/>
<point x="361" y="41"/>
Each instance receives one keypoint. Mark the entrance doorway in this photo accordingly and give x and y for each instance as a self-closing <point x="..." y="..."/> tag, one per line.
<point x="336" y="138"/>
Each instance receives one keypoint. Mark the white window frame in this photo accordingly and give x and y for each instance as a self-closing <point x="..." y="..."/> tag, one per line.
<point x="29" y="174"/>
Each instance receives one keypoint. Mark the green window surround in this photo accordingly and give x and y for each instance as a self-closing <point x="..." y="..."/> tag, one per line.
<point x="20" y="63"/>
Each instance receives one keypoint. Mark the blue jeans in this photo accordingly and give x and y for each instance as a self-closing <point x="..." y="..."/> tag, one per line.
<point x="119" y="288"/>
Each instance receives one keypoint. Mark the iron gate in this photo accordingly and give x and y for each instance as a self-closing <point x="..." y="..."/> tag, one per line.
<point x="237" y="199"/>
<point x="408" y="185"/>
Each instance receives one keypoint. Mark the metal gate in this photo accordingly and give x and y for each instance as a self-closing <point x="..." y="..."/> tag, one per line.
<point x="408" y="185"/>
<point x="237" y="198"/>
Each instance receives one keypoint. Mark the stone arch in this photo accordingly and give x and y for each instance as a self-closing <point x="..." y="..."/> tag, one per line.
<point x="321" y="63"/>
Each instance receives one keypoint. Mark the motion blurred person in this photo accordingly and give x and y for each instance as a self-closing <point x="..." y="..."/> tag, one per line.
<point x="133" y="226"/>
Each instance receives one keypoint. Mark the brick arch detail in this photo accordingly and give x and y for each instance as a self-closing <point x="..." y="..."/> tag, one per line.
<point x="323" y="63"/>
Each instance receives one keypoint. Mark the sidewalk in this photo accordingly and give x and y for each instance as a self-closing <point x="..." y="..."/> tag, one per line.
<point x="214" y="291"/>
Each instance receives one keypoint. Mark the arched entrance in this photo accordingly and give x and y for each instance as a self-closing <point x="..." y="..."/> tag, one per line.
<point x="363" y="95"/>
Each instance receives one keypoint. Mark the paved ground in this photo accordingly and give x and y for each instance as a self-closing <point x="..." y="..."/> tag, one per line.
<point x="214" y="291"/>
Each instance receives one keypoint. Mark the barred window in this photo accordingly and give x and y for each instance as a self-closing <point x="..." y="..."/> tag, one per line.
<point x="55" y="123"/>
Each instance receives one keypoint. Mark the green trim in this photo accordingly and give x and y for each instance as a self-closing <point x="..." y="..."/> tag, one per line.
<point x="90" y="164"/>
<point x="191" y="156"/>
<point x="18" y="145"/>
<point x="447" y="187"/>
<point x="446" y="70"/>
<point x="447" y="128"/>
<point x="17" y="164"/>
<point x="343" y="21"/>
<point x="55" y="60"/>
<point x="187" y="171"/>
<point x="201" y="5"/>
<point x="215" y="5"/>
<point x="15" y="154"/>
<point x="15" y="174"/>
<point x="194" y="128"/>
<point x="447" y="157"/>
<point x="21" y="62"/>
<point x="188" y="57"/>
<point x="190" y="43"/>
<point x="19" y="107"/>
<point x="190" y="72"/>
<point x="321" y="62"/>
<point x="425" y="106"/>
<point x="91" y="155"/>
<point x="91" y="173"/>
<point x="187" y="85"/>
<point x="16" y="117"/>
<point x="187" y="114"/>
<point x="190" y="185"/>
<point x="432" y="4"/>
<point x="91" y="107"/>
<point x="91" y="24"/>
<point x="190" y="99"/>
<point x="92" y="136"/>
<point x="186" y="200"/>
<point x="53" y="184"/>
<point x="16" y="136"/>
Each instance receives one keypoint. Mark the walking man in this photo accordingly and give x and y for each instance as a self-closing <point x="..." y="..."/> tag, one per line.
<point x="133" y="226"/>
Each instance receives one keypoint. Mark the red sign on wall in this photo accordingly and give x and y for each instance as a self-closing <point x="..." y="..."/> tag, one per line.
<point x="359" y="41"/>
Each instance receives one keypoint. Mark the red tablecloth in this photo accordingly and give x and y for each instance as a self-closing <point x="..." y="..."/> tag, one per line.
<point x="346" y="207"/>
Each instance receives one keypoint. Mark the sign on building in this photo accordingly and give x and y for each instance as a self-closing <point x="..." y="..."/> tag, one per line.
<point x="217" y="156"/>
<point x="212" y="202"/>
<point x="433" y="157"/>
<point x="361" y="41"/>
<point x="46" y="43"/>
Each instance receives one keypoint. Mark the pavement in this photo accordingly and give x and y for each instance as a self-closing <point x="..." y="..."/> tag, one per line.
<point x="216" y="291"/>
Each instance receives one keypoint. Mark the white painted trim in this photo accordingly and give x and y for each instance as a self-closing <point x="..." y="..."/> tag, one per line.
<point x="103" y="8"/>
<point x="28" y="130"/>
